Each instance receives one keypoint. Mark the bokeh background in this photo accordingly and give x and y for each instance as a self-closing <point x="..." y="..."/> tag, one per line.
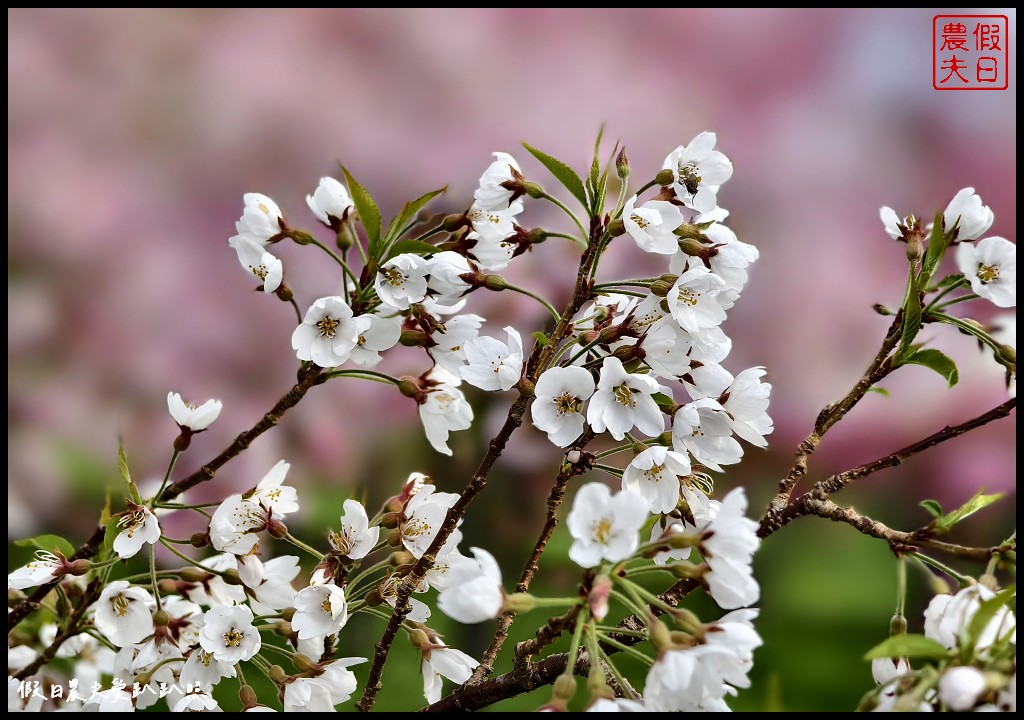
<point x="133" y="134"/>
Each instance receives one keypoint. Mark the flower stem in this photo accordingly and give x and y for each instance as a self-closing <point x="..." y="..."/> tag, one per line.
<point x="303" y="546"/>
<point x="538" y="298"/>
<point x="152" y="576"/>
<point x="963" y="580"/>
<point x="628" y="649"/>
<point x="901" y="585"/>
<point x="167" y="476"/>
<point x="334" y="256"/>
<point x="558" y="203"/>
<point x="575" y="240"/>
<point x="609" y="469"/>
<point x="364" y="375"/>
<point x="190" y="561"/>
<point x="298" y="310"/>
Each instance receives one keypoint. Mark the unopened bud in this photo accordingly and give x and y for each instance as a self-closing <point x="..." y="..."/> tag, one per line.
<point x="287" y="614"/>
<point x="394" y="538"/>
<point x="1008" y="354"/>
<point x="167" y="586"/>
<point x="277" y="529"/>
<point x="564" y="687"/>
<point x="622" y="164"/>
<point x="199" y="540"/>
<point x="533" y="189"/>
<point x="303" y="663"/>
<point x="194" y="574"/>
<point x="301" y="237"/>
<point x="897" y="625"/>
<point x="161" y="618"/>
<point x="629" y="353"/>
<point x="616" y="227"/>
<point x="665" y="438"/>
<point x="390" y="520"/>
<point x="661" y="288"/>
<point x="284" y="293"/>
<point x="401" y="557"/>
<point x="420" y="639"/>
<point x="412" y="338"/>
<point x="695" y="248"/>
<point x="78" y="567"/>
<point x="596" y="685"/>
<point x="374" y="598"/>
<point x="682" y="639"/>
<point x="597" y="599"/>
<point x="452" y="223"/>
<point x="345" y="238"/>
<point x="519" y="602"/>
<point x="526" y="388"/>
<point x="494" y="282"/>
<point x="278" y="675"/>
<point x="410" y="387"/>
<point x="659" y="633"/>
<point x="664" y="177"/>
<point x="248" y="697"/>
<point x="882" y="309"/>
<point x="915" y="248"/>
<point x="573" y="457"/>
<point x="284" y="628"/>
<point x="231" y="577"/>
<point x="687" y="571"/>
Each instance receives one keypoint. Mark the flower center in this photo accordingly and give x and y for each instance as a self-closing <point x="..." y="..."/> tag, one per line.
<point x="341" y="542"/>
<point x="988" y="273"/>
<point x="624" y="395"/>
<point x="233" y="638"/>
<point x="259" y="271"/>
<point x="654" y="473"/>
<point x="567" y="404"/>
<point x="641" y="222"/>
<point x="263" y="208"/>
<point x="394" y="276"/>
<point x="603" y="530"/>
<point x="120" y="605"/>
<point x="328" y="327"/>
<point x="415" y="527"/>
<point x="205" y="658"/>
<point x="688" y="297"/>
<point x="132" y="521"/>
<point x="688" y="177"/>
<point x="326" y="605"/>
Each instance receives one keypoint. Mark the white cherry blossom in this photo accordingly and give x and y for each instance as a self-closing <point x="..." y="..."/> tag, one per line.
<point x="328" y="333"/>
<point x="604" y="526"/>
<point x="492" y="364"/>
<point x="557" y="408"/>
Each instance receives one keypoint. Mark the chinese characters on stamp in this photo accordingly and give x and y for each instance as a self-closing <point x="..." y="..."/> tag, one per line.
<point x="970" y="52"/>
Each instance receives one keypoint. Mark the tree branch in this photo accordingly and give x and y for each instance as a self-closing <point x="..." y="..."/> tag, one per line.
<point x="828" y="417"/>
<point x="20" y="611"/>
<point x="309" y="376"/>
<point x="70" y="630"/>
<point x="533" y="563"/>
<point x="898" y="541"/>
<point x="838" y="482"/>
<point x="535" y="365"/>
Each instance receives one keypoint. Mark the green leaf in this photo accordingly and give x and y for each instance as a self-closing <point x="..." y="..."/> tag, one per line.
<point x="595" y="166"/>
<point x="368" y="213"/>
<point x="663" y="400"/>
<point x="541" y="338"/>
<point x="408" y="214"/>
<point x="911" y="317"/>
<point x="562" y="172"/>
<point x="976" y="503"/>
<point x="48" y="543"/>
<point x="933" y="508"/>
<point x="416" y="247"/>
<point x="937" y="244"/>
<point x="909" y="646"/>
<point x="950" y="280"/>
<point x="983" y="616"/>
<point x="880" y="390"/>
<point x="937" y="361"/>
<point x="126" y="476"/>
<point x="110" y="533"/>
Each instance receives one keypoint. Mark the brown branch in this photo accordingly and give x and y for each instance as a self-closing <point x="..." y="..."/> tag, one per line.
<point x="547" y="634"/>
<point x="828" y="417"/>
<point x="899" y="541"/>
<point x="20" y="611"/>
<point x="474" y="697"/>
<point x="533" y="563"/>
<point x="70" y="630"/>
<point x="308" y="377"/>
<point x="536" y="363"/>
<point x="838" y="482"/>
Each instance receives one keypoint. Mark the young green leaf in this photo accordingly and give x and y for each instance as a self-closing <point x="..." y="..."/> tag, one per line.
<point x="368" y="213"/>
<point x="48" y="543"/>
<point x="879" y="389"/>
<point x="416" y="247"/>
<point x="937" y="244"/>
<point x="909" y="646"/>
<point x="976" y="503"/>
<point x="562" y="172"/>
<point x="911" y="317"/>
<point x="126" y="476"/>
<point x="933" y="508"/>
<point x="111" y="528"/>
<point x="402" y="221"/>
<point x="541" y="338"/>
<point x="937" y="361"/>
<point x="983" y="616"/>
<point x="663" y="400"/>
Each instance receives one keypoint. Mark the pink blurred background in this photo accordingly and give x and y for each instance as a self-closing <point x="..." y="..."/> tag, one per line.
<point x="132" y="136"/>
